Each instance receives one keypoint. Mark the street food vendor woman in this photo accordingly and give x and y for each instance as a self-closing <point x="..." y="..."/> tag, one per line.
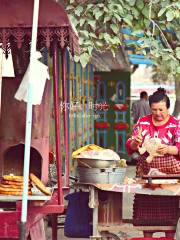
<point x="159" y="124"/>
<point x="162" y="125"/>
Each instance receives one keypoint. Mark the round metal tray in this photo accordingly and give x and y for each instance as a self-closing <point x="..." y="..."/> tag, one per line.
<point x="96" y="163"/>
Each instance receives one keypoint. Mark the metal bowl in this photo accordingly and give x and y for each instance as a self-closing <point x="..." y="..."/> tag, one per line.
<point x="96" y="163"/>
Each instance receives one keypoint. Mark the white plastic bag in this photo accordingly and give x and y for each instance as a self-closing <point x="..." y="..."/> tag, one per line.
<point x="38" y="77"/>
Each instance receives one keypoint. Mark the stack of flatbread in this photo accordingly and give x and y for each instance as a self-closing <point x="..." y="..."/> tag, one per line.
<point x="13" y="185"/>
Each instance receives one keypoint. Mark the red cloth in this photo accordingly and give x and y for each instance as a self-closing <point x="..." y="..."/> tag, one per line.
<point x="169" y="134"/>
<point x="120" y="126"/>
<point x="101" y="125"/>
<point x="166" y="164"/>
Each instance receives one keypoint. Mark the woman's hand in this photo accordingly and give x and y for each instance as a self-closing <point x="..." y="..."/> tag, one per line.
<point x="136" y="142"/>
<point x="166" y="149"/>
<point x="163" y="149"/>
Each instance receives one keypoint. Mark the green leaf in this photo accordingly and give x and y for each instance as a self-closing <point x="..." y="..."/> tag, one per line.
<point x="107" y="18"/>
<point x="120" y="9"/>
<point x="177" y="14"/>
<point x="78" y="10"/>
<point x="111" y="7"/>
<point x="132" y="2"/>
<point x="100" y="5"/>
<point x="140" y="4"/>
<point x="74" y="20"/>
<point x="146" y="23"/>
<point x="161" y="12"/>
<point x="89" y="6"/>
<point x="178" y="69"/>
<point x="90" y="48"/>
<point x="84" y="59"/>
<point x="87" y="42"/>
<point x="135" y="12"/>
<point x="101" y="36"/>
<point x="82" y="21"/>
<point x="81" y="40"/>
<point x="115" y="28"/>
<point x="84" y="33"/>
<point x="145" y="11"/>
<point x="69" y="7"/>
<point x="170" y="15"/>
<point x="99" y="43"/>
<point x="107" y="37"/>
<point x="178" y="52"/>
<point x="128" y="20"/>
<point x="106" y="9"/>
<point x="98" y="14"/>
<point x="115" y="41"/>
<point x="76" y="58"/>
<point x="91" y="34"/>
<point x="117" y="17"/>
<point x="92" y="23"/>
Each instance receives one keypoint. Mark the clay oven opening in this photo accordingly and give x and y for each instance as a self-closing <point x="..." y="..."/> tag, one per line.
<point x="14" y="161"/>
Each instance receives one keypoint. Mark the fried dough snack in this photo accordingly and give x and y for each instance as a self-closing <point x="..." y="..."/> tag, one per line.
<point x="13" y="192"/>
<point x="12" y="186"/>
<point x="6" y="182"/>
<point x="86" y="148"/>
<point x="39" y="184"/>
<point x="13" y="178"/>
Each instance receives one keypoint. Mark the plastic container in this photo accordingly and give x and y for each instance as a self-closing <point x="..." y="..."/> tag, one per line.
<point x="101" y="175"/>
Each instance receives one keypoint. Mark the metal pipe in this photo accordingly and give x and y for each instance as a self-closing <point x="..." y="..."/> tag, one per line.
<point x="28" y="125"/>
<point x="57" y="120"/>
<point x="65" y="115"/>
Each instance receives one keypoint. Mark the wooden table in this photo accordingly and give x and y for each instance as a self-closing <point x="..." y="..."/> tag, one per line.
<point x="114" y="193"/>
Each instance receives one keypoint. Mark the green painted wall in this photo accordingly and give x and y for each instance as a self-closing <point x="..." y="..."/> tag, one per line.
<point x="113" y="88"/>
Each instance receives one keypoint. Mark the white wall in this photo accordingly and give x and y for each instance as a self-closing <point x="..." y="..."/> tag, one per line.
<point x="141" y="80"/>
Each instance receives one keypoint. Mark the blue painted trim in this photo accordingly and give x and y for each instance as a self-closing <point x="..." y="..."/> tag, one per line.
<point x="170" y="30"/>
<point x="141" y="61"/>
<point x="136" y="56"/>
<point x="136" y="42"/>
<point x="129" y="32"/>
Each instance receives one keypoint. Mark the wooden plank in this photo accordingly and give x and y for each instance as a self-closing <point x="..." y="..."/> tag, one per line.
<point x="9" y="198"/>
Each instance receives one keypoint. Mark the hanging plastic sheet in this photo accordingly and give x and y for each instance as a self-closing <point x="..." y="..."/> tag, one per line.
<point x="39" y="74"/>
